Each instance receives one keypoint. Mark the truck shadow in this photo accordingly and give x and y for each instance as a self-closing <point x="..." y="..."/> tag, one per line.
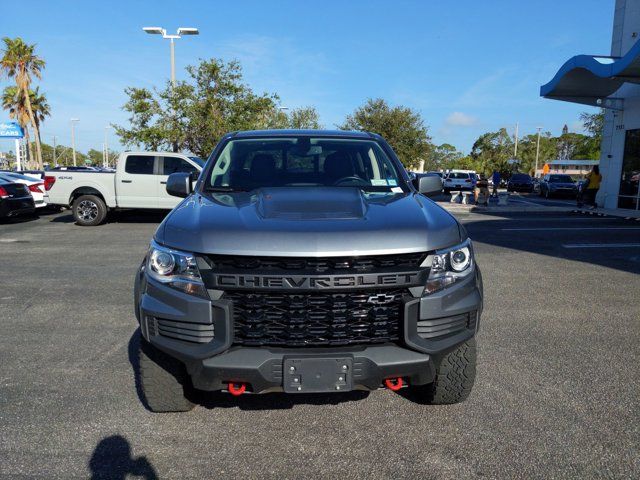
<point x="269" y="401"/>
<point x="125" y="216"/>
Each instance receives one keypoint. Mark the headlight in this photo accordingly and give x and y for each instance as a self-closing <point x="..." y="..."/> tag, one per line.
<point x="176" y="269"/>
<point x="448" y="266"/>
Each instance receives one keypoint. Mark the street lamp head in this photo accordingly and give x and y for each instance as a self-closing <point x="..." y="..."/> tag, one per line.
<point x="154" y="30"/>
<point x="188" y="31"/>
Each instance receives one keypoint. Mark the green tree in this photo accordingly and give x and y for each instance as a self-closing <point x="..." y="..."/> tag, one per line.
<point x="14" y="101"/>
<point x="491" y="151"/>
<point x="198" y="112"/>
<point x="593" y="123"/>
<point x="20" y="62"/>
<point x="401" y="126"/>
<point x="527" y="147"/>
<point x="443" y="157"/>
<point x="305" y="118"/>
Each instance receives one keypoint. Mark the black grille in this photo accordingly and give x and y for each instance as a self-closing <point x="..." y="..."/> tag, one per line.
<point x="375" y="263"/>
<point x="316" y="319"/>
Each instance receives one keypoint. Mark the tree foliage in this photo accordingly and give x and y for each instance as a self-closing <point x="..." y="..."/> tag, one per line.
<point x="401" y="126"/>
<point x="20" y="62"/>
<point x="198" y="112"/>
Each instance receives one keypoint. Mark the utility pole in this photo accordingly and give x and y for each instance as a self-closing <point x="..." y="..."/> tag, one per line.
<point x="179" y="34"/>
<point x="73" y="138"/>
<point x="535" y="172"/>
<point x="515" y="153"/>
<point x="54" y="151"/>
<point x="105" y="157"/>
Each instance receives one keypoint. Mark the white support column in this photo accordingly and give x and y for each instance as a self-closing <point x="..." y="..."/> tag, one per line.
<point x="18" y="159"/>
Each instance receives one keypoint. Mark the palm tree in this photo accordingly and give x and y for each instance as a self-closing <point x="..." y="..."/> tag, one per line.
<point x="20" y="62"/>
<point x="13" y="100"/>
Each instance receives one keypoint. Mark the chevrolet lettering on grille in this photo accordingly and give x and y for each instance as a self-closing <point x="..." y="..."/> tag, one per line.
<point x="302" y="282"/>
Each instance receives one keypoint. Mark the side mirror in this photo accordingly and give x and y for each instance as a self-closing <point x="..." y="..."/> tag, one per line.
<point x="179" y="184"/>
<point x="428" y="186"/>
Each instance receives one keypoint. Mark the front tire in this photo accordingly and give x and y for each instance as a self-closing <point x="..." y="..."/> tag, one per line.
<point x="163" y="380"/>
<point x="89" y="210"/>
<point x="455" y="376"/>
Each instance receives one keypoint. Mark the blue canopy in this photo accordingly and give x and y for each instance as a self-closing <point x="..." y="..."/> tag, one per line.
<point x="591" y="79"/>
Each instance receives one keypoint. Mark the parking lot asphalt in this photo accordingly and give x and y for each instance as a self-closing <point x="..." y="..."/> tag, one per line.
<point x="556" y="396"/>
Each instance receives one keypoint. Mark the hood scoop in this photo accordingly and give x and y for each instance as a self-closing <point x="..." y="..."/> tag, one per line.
<point x="311" y="203"/>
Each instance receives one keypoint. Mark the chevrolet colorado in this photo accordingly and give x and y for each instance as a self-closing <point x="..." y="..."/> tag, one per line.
<point x="306" y="261"/>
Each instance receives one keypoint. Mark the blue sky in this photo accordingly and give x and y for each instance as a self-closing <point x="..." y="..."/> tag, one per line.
<point x="468" y="66"/>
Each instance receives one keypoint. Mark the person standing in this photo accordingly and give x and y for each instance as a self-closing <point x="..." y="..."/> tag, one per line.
<point x="592" y="185"/>
<point x="495" y="178"/>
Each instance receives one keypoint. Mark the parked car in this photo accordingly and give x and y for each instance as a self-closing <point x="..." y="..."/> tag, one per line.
<point x="306" y="262"/>
<point x="520" y="182"/>
<point x="536" y="184"/>
<point x="139" y="182"/>
<point x="555" y="184"/>
<point x="428" y="174"/>
<point x="35" y="186"/>
<point x="460" y="180"/>
<point x="15" y="199"/>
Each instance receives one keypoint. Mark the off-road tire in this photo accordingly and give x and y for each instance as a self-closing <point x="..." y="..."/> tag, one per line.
<point x="454" y="376"/>
<point x="163" y="380"/>
<point x="86" y="203"/>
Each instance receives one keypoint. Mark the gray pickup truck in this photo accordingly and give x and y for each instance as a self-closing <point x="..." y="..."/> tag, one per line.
<point x="306" y="262"/>
<point x="138" y="183"/>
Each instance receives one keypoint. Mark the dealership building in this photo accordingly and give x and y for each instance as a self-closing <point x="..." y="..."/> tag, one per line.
<point x="613" y="83"/>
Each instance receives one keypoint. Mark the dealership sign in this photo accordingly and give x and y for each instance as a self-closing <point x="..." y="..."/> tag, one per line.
<point x="10" y="130"/>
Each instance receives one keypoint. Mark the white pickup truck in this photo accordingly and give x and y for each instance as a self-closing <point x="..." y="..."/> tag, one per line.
<point x="138" y="182"/>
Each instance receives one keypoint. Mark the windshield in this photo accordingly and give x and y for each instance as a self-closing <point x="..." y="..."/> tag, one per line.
<point x="247" y="164"/>
<point x="521" y="177"/>
<point x="12" y="177"/>
<point x="560" y="179"/>
<point x="458" y="175"/>
<point x="198" y="160"/>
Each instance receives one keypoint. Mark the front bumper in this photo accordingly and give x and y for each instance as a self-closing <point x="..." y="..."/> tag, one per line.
<point x="431" y="327"/>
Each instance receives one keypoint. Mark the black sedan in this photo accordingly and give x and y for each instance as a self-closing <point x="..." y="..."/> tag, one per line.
<point x="15" y="199"/>
<point x="556" y="185"/>
<point x="520" y="182"/>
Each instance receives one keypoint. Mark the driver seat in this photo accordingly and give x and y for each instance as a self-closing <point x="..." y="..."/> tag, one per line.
<point x="338" y="165"/>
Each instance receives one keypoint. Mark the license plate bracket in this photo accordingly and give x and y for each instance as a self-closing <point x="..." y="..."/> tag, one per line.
<point x="317" y="374"/>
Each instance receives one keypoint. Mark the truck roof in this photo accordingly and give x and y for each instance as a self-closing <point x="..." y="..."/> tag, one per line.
<point x="301" y="132"/>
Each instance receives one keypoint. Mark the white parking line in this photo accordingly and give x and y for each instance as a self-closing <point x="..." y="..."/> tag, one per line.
<point x="601" y="245"/>
<point x="566" y="228"/>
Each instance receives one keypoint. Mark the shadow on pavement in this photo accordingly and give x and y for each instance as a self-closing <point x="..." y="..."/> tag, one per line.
<point x="499" y="232"/>
<point x="125" y="216"/>
<point x="111" y="459"/>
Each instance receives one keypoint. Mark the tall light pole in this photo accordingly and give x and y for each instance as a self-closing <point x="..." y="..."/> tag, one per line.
<point x="535" y="172"/>
<point x="105" y="158"/>
<point x="73" y="138"/>
<point x="181" y="31"/>
<point x="515" y="152"/>
<point x="54" y="151"/>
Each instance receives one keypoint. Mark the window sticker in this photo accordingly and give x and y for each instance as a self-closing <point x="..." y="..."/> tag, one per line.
<point x="392" y="182"/>
<point x="378" y="182"/>
<point x="396" y="189"/>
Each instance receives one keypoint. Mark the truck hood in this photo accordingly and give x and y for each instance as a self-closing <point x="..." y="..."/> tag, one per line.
<point x="308" y="221"/>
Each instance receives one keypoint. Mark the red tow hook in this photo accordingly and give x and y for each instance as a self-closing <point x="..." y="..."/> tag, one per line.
<point x="394" y="387"/>
<point x="237" y="389"/>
